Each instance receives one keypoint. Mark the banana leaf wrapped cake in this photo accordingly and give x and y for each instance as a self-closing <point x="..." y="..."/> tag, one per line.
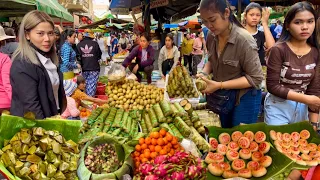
<point x="39" y="154"/>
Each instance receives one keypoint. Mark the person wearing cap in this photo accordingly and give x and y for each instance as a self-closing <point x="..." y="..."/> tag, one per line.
<point x="75" y="90"/>
<point x="10" y="43"/>
<point x="37" y="83"/>
<point x="90" y="54"/>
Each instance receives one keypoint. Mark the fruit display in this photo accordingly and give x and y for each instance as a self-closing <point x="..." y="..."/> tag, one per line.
<point x="157" y="143"/>
<point x="121" y="55"/>
<point x="84" y="112"/>
<point x="131" y="95"/>
<point x="246" y="154"/>
<point x="296" y="147"/>
<point x="114" y="121"/>
<point x="39" y="154"/>
<point x="102" y="159"/>
<point x="180" y="84"/>
<point x="179" y="166"/>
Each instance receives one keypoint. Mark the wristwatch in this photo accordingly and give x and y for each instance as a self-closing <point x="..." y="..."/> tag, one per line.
<point x="316" y="124"/>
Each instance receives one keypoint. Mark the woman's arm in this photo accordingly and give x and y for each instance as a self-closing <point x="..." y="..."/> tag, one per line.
<point x="161" y="59"/>
<point x="5" y="75"/>
<point x="96" y="100"/>
<point x="22" y="80"/>
<point x="130" y="57"/>
<point x="267" y="33"/>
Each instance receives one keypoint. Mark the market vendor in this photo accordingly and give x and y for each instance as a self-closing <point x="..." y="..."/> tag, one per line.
<point x="293" y="70"/>
<point x="144" y="54"/>
<point x="234" y="91"/>
<point x="37" y="83"/>
<point x="168" y="56"/>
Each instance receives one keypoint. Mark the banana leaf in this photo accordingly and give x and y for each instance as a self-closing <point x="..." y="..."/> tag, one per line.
<point x="296" y="127"/>
<point x="123" y="152"/>
<point x="279" y="161"/>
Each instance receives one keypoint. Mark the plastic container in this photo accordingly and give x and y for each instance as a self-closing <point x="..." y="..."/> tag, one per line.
<point x="101" y="88"/>
<point x="103" y="97"/>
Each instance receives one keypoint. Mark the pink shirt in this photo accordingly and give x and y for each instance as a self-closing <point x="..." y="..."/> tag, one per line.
<point x="71" y="109"/>
<point x="5" y="86"/>
<point x="197" y="46"/>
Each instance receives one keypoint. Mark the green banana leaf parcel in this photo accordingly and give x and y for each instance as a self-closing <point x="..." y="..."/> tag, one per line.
<point x="280" y="163"/>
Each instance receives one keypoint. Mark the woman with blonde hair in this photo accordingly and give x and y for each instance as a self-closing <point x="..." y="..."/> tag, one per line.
<point x="37" y="84"/>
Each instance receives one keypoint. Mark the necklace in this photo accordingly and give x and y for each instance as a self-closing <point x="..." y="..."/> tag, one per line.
<point x="299" y="56"/>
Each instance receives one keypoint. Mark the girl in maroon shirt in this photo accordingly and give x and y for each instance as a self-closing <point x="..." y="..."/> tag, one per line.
<point x="293" y="70"/>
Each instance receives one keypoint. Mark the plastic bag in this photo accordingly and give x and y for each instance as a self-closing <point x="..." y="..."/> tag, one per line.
<point x="117" y="73"/>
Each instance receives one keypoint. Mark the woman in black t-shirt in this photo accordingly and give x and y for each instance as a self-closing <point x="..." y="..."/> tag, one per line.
<point x="253" y="15"/>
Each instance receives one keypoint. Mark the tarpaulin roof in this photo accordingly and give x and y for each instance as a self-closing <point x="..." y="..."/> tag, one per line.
<point x="16" y="8"/>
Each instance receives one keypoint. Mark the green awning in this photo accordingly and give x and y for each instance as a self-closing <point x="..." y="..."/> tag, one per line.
<point x="21" y="7"/>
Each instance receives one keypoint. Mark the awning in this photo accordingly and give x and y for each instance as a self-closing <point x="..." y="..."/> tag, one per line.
<point x="19" y="8"/>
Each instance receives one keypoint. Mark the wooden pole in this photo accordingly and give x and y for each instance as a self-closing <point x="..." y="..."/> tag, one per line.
<point x="239" y="10"/>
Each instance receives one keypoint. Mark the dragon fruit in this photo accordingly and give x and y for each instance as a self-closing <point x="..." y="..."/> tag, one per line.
<point x="146" y="169"/>
<point x="163" y="169"/>
<point x="193" y="171"/>
<point x="160" y="159"/>
<point x="182" y="155"/>
<point x="174" y="159"/>
<point x="178" y="175"/>
<point x="151" y="177"/>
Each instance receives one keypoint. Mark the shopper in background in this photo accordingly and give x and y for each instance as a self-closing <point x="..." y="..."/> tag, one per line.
<point x="107" y="42"/>
<point x="186" y="50"/>
<point x="103" y="47"/>
<point x="114" y="45"/>
<point x="10" y="44"/>
<point x="37" y="83"/>
<point x="278" y="29"/>
<point x="123" y="42"/>
<point x="90" y="54"/>
<point x="144" y="54"/>
<point x="293" y="70"/>
<point x="5" y="86"/>
<point x="67" y="54"/>
<point x="272" y="27"/>
<point x="253" y="15"/>
<point x="168" y="56"/>
<point x="197" y="53"/>
<point x="79" y="38"/>
<point x="234" y="64"/>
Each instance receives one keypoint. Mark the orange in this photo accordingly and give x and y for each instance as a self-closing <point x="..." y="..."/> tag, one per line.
<point x="165" y="140"/>
<point x="163" y="152"/>
<point x="137" y="159"/>
<point x="152" y="148"/>
<point x="163" y="132"/>
<point x="144" y="146"/>
<point x="154" y="141"/>
<point x="172" y="151"/>
<point x="138" y="148"/>
<point x="169" y="145"/>
<point x="153" y="155"/>
<point x="144" y="160"/>
<point x="158" y="148"/>
<point x="137" y="164"/>
<point x="141" y="141"/>
<point x="146" y="150"/>
<point x="141" y="156"/>
<point x="156" y="135"/>
<point x="147" y="140"/>
<point x="168" y="149"/>
<point x="169" y="137"/>
<point x="174" y="141"/>
<point x="147" y="154"/>
<point x="176" y="146"/>
<point x="136" y="154"/>
<point x="160" y="142"/>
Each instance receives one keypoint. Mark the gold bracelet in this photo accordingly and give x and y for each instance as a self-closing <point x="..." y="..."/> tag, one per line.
<point x="221" y="87"/>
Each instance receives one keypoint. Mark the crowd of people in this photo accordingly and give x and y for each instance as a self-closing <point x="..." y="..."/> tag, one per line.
<point x="38" y="70"/>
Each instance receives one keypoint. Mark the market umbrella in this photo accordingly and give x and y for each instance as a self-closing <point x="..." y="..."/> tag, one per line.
<point x="124" y="4"/>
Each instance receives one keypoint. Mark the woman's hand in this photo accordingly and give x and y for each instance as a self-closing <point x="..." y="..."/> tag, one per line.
<point x="265" y="16"/>
<point x="212" y="86"/>
<point x="313" y="101"/>
<point x="135" y="69"/>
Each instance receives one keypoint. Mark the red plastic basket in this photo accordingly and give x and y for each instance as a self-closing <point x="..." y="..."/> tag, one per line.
<point x="103" y="97"/>
<point x="101" y="88"/>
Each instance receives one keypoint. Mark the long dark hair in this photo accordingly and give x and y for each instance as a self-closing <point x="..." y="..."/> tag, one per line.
<point x="219" y="6"/>
<point x="252" y="5"/>
<point x="298" y="7"/>
<point x="171" y="37"/>
<point x="66" y="33"/>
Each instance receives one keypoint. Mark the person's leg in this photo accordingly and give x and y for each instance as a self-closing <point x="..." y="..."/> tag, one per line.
<point x="226" y="120"/>
<point x="195" y="61"/>
<point x="148" y="70"/>
<point x="132" y="68"/>
<point x="277" y="111"/>
<point x="91" y="83"/>
<point x="185" y="60"/>
<point x="165" y="67"/>
<point x="248" y="109"/>
<point x="189" y="59"/>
